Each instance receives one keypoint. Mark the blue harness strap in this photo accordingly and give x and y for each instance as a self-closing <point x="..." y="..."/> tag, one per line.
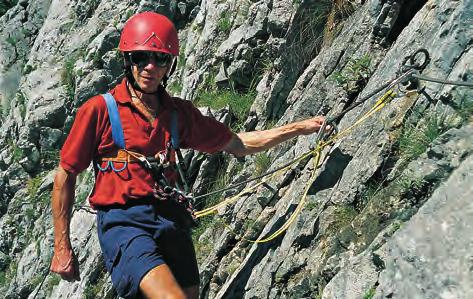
<point x="174" y="130"/>
<point x="117" y="130"/>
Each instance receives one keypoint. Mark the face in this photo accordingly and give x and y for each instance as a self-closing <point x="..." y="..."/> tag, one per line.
<point x="149" y="68"/>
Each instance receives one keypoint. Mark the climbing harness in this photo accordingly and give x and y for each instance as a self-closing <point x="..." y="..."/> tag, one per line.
<point x="156" y="166"/>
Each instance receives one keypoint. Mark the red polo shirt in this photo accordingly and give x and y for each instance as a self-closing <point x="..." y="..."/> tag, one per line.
<point x="91" y="138"/>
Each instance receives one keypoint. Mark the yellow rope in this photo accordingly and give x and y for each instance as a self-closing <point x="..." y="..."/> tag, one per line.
<point x="300" y="205"/>
<point x="213" y="209"/>
<point x="316" y="153"/>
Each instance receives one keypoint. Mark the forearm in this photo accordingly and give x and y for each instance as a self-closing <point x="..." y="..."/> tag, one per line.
<point x="62" y="202"/>
<point x="252" y="142"/>
<point x="257" y="141"/>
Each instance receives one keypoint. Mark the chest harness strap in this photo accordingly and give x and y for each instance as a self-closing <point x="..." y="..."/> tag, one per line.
<point x="126" y="156"/>
<point x="154" y="165"/>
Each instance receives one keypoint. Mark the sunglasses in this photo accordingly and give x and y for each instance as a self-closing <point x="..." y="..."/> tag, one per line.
<point x="143" y="58"/>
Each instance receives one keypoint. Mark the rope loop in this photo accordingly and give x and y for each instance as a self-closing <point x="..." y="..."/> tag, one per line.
<point x="125" y="164"/>
<point x="103" y="169"/>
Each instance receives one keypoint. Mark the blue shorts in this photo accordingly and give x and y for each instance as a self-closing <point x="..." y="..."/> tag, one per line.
<point x="135" y="239"/>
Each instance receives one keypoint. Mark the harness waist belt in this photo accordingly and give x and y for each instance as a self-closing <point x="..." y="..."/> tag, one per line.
<point x="122" y="156"/>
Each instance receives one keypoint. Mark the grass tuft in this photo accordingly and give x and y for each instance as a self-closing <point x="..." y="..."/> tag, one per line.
<point x="239" y="102"/>
<point x="356" y="70"/>
<point x="32" y="186"/>
<point x="369" y="294"/>
<point x="414" y="140"/>
<point x="262" y="163"/>
<point x="68" y="77"/>
<point x="224" y="24"/>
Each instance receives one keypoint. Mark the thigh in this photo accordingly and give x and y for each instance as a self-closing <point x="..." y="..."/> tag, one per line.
<point x="159" y="282"/>
<point x="129" y="252"/>
<point x="179" y="254"/>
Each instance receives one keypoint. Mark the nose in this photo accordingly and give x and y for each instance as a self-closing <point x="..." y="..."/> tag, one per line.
<point x="151" y="63"/>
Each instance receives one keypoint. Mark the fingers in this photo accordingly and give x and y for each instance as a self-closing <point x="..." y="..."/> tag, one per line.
<point x="66" y="265"/>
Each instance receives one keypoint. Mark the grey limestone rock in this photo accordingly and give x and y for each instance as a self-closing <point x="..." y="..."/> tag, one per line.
<point x="57" y="54"/>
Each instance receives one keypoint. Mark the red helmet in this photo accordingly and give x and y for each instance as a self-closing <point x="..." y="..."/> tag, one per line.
<point x="149" y="31"/>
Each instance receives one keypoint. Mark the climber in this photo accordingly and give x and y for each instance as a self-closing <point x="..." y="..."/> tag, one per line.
<point x="146" y="247"/>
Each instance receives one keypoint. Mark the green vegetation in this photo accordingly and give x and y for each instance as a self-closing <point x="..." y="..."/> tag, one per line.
<point x="17" y="153"/>
<point x="49" y="158"/>
<point x="340" y="11"/>
<point x="28" y="69"/>
<point x="35" y="281"/>
<point x="342" y="216"/>
<point x="369" y="294"/>
<point x="244" y="8"/>
<point x="21" y="101"/>
<point x="68" y="76"/>
<point x="92" y="290"/>
<point x="465" y="107"/>
<point x="204" y="247"/>
<point x="95" y="286"/>
<point x="370" y="191"/>
<point x="181" y="60"/>
<point x="356" y="69"/>
<point x="239" y="102"/>
<point x="197" y="27"/>
<point x="6" y="5"/>
<point x="311" y="205"/>
<point x="174" y="88"/>
<point x="129" y="13"/>
<point x="11" y="40"/>
<point x="262" y="163"/>
<point x="222" y="179"/>
<point x="54" y="280"/>
<point x="8" y="274"/>
<point x="225" y="23"/>
<point x="32" y="186"/>
<point x="266" y="65"/>
<point x="309" y="23"/>
<point x="414" y="140"/>
<point x="316" y="24"/>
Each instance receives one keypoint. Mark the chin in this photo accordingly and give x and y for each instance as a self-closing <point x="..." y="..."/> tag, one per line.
<point x="149" y="88"/>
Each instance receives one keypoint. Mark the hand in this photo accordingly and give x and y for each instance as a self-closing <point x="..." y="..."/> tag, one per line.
<point x="65" y="263"/>
<point x="311" y="125"/>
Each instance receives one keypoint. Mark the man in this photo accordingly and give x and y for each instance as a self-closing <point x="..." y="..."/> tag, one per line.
<point x="146" y="249"/>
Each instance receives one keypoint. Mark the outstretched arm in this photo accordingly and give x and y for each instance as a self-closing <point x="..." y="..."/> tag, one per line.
<point x="64" y="261"/>
<point x="247" y="143"/>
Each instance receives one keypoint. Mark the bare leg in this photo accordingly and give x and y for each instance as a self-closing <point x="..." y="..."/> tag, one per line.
<point x="160" y="283"/>
<point x="192" y="292"/>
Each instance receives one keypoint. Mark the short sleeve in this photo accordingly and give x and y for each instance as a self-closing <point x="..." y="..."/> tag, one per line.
<point x="81" y="143"/>
<point x="201" y="132"/>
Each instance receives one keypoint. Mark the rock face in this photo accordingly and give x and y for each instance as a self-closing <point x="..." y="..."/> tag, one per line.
<point x="387" y="215"/>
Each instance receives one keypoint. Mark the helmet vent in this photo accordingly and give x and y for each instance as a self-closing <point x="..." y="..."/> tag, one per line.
<point x="153" y="43"/>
